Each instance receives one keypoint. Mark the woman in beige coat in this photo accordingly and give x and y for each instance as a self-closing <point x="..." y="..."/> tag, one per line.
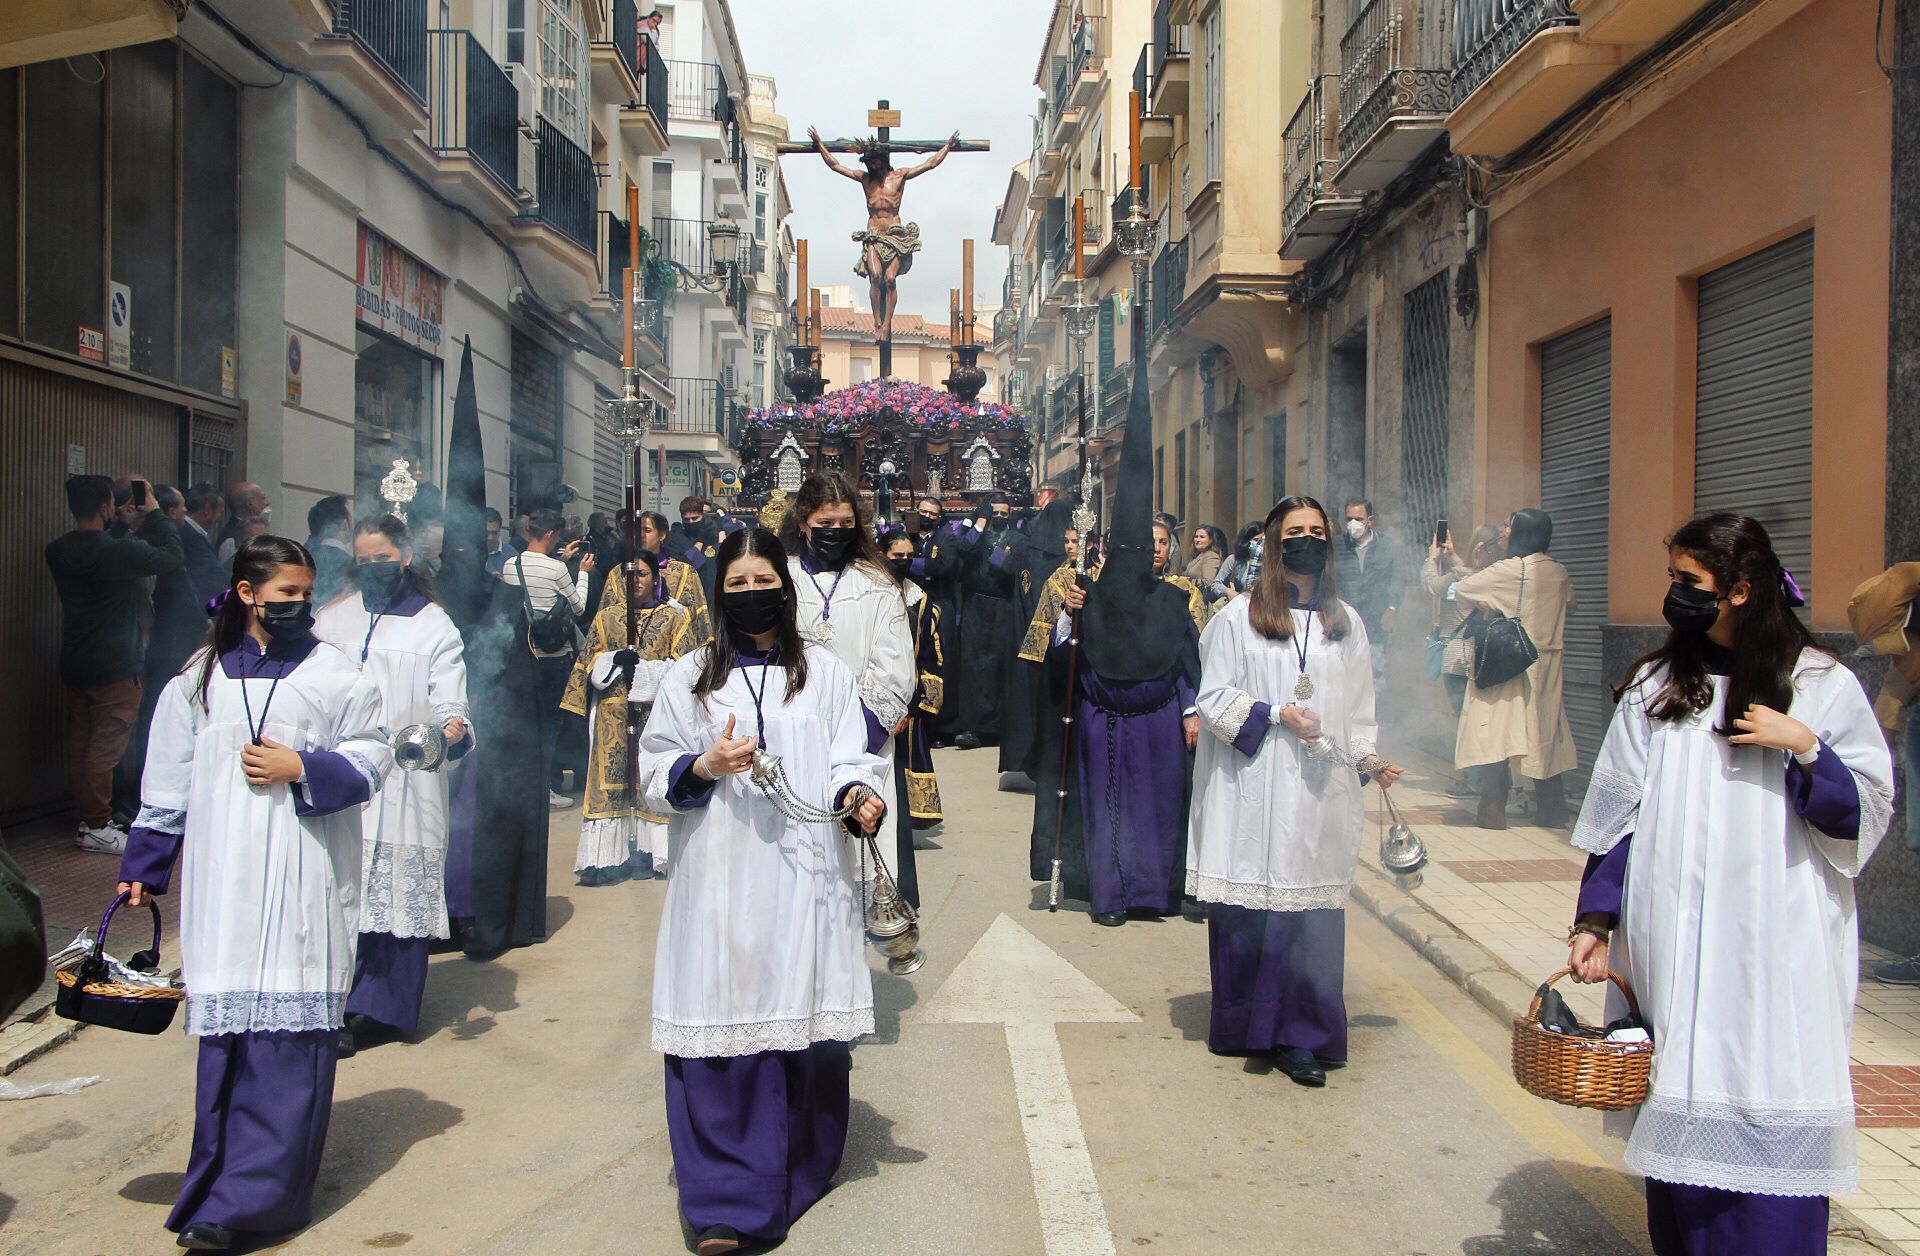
<point x="1522" y="723"/>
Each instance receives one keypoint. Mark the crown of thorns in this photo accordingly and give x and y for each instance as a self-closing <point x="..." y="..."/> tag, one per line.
<point x="871" y="148"/>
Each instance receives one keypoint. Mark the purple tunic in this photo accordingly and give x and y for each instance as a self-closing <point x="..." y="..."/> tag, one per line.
<point x="389" y="980"/>
<point x="1278" y="981"/>
<point x="1704" y="1221"/>
<point x="757" y="1138"/>
<point x="261" y="1107"/>
<point x="1132" y="760"/>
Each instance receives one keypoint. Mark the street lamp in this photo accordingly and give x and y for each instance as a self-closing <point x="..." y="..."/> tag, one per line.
<point x="1134" y="237"/>
<point x="723" y="235"/>
<point x="1081" y="317"/>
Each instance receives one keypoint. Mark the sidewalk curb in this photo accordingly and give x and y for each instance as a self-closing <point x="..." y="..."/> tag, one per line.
<point x="25" y="1041"/>
<point x="1502" y="992"/>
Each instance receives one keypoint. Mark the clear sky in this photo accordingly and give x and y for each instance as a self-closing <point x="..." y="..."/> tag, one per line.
<point x="967" y="68"/>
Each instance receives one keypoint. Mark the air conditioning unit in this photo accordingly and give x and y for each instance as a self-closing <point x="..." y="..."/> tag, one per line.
<point x="527" y="88"/>
<point x="528" y="183"/>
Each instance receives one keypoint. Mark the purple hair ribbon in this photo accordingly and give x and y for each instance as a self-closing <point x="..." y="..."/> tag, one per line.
<point x="1790" y="588"/>
<point x="217" y="601"/>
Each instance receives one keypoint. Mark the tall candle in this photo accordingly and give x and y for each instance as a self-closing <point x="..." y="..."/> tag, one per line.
<point x="627" y="305"/>
<point x="800" y="293"/>
<point x="1079" y="235"/>
<point x="816" y="318"/>
<point x="965" y="332"/>
<point x="1133" y="136"/>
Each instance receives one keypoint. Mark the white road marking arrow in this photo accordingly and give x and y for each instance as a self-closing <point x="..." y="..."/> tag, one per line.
<point x="1011" y="978"/>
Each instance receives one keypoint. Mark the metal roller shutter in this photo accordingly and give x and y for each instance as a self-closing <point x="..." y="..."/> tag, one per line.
<point x="1753" y="412"/>
<point x="1576" y="443"/>
<point x="41" y="414"/>
<point x="609" y="475"/>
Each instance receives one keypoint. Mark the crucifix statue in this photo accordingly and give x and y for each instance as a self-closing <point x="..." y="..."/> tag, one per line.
<point x="887" y="245"/>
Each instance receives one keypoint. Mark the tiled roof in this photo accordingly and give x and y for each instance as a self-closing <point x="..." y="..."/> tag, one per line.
<point x="905" y="326"/>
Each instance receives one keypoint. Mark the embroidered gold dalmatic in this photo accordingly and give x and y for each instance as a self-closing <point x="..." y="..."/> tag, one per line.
<point x="663" y="633"/>
<point x="683" y="586"/>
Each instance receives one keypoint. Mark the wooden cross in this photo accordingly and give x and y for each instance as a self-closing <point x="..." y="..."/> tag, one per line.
<point x="884" y="119"/>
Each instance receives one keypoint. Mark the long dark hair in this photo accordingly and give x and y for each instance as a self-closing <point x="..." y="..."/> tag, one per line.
<point x="254" y="562"/>
<point x="1217" y="542"/>
<point x="1271" y="610"/>
<point x="1243" y="548"/>
<point x="395" y="530"/>
<point x="830" y="488"/>
<point x="1768" y="637"/>
<point x="721" y="651"/>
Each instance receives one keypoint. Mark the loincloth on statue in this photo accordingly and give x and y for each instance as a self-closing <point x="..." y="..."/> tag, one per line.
<point x="897" y="243"/>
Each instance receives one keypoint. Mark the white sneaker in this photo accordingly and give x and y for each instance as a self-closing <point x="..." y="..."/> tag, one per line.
<point x="559" y="802"/>
<point x="108" y="839"/>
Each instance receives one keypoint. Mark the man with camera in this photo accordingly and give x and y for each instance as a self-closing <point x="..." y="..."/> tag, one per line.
<point x="98" y="577"/>
<point x="555" y="598"/>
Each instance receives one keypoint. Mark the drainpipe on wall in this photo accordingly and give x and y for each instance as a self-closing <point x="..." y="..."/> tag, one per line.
<point x="1903" y="310"/>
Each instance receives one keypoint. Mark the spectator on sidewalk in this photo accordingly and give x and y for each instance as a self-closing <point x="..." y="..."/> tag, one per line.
<point x="1374" y="573"/>
<point x="1238" y="569"/>
<point x="1881" y="613"/>
<point x="1521" y="723"/>
<point x="249" y="514"/>
<point x="330" y="541"/>
<point x="544" y="578"/>
<point x="1209" y="551"/>
<point x="98" y="579"/>
<point x="206" y="511"/>
<point x="1443" y="571"/>
<point x="499" y="548"/>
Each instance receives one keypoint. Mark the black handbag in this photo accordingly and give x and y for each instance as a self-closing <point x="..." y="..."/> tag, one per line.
<point x="1503" y="649"/>
<point x="91" y="996"/>
<point x="551" y="630"/>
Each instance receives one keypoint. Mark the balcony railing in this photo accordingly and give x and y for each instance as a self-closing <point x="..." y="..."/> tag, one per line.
<point x="475" y="111"/>
<point x="1086" y="40"/>
<point x="394" y="32"/>
<point x="654" y="87"/>
<point x="684" y="242"/>
<point x="1308" y="152"/>
<point x="1487" y="32"/>
<point x="566" y="185"/>
<point x="1381" y="74"/>
<point x="624" y="34"/>
<point x="615" y="230"/>
<point x="1169" y="283"/>
<point x="698" y="91"/>
<point x="1169" y="39"/>
<point x="1114" y="395"/>
<point x="1143" y="78"/>
<point x="699" y="407"/>
<point x="1095" y="232"/>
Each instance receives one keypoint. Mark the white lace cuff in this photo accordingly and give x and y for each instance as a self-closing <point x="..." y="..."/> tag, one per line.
<point x="659" y="781"/>
<point x="1232" y="718"/>
<point x="160" y="819"/>
<point x="1608" y="814"/>
<point x="1362" y="749"/>
<point x="364" y="766"/>
<point x="887" y="707"/>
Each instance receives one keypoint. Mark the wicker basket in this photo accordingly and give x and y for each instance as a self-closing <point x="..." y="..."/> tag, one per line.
<point x="83" y="995"/>
<point x="1583" y="1070"/>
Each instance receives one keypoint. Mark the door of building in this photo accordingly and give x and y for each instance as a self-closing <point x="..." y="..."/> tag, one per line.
<point x="53" y="423"/>
<point x="1753" y="408"/>
<point x="1424" y="425"/>
<point x="1576" y="443"/>
<point x="535" y="423"/>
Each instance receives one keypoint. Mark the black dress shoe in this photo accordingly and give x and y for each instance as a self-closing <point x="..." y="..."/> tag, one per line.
<point x="1299" y="1065"/>
<point x="1111" y="919"/>
<point x="345" y="1049"/>
<point x="205" y="1236"/>
<point x="966" y="741"/>
<point x="718" y="1240"/>
<point x="1329" y="1063"/>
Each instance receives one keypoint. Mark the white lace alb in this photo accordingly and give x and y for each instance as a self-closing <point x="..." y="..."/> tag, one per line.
<point x="1751" y="1150"/>
<point x="264" y="1011"/>
<point x="405" y="891"/>
<point x="702" y="1041"/>
<point x="1259" y="897"/>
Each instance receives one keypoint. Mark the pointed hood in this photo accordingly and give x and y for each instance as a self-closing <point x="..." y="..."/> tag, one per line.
<point x="1136" y="627"/>
<point x="463" y="553"/>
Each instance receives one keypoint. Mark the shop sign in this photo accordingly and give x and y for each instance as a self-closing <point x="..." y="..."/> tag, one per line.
<point x="679" y="474"/>
<point x="293" y="368"/>
<point x="76" y="459"/>
<point x="229" y="371"/>
<point x="93" y="345"/>
<point x="119" y="326"/>
<point x="396" y="294"/>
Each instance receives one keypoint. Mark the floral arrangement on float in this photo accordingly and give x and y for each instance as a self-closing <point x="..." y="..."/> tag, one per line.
<point x="932" y="410"/>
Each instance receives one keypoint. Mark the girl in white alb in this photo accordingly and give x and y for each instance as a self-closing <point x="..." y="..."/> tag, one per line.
<point x="263" y="753"/>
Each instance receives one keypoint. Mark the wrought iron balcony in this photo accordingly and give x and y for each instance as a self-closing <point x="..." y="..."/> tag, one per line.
<point x="566" y="185"/>
<point x="684" y="242"/>
<point x="1314" y="210"/>
<point x="394" y="32"/>
<point x="1391" y="107"/>
<point x="1114" y="395"/>
<point x="1488" y="32"/>
<point x="699" y="406"/>
<point x="474" y="110"/>
<point x="1169" y="283"/>
<point x="654" y="87"/>
<point x="698" y="91"/>
<point x="1171" y="61"/>
<point x="623" y="35"/>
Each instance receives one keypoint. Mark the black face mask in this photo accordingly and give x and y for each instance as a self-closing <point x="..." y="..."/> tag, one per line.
<point x="380" y="581"/>
<point x="902" y="568"/>
<point x="286" y="621"/>
<point x="1304" y="555"/>
<point x="1691" y="610"/>
<point x="754" y="611"/>
<point x="999" y="522"/>
<point x="929" y="522"/>
<point x="831" y="545"/>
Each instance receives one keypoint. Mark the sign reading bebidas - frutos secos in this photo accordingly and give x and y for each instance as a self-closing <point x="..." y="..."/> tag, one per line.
<point x="395" y="293"/>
